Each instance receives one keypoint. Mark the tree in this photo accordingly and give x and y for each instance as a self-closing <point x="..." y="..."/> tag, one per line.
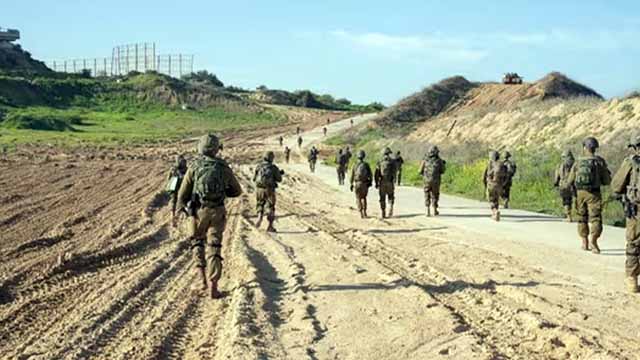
<point x="203" y="76"/>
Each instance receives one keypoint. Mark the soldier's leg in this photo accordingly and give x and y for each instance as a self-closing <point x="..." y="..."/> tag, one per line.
<point x="567" y="201"/>
<point x="271" y="210"/>
<point x="198" y="232"/>
<point x="383" y="200"/>
<point x="427" y="199"/>
<point x="392" y="199"/>
<point x="594" y="207"/>
<point x="260" y="203"/>
<point x="214" y="247"/>
<point x="494" y="200"/>
<point x="399" y="176"/>
<point x="632" y="262"/>
<point x="506" y="195"/>
<point x="436" y="199"/>
<point x="583" y="219"/>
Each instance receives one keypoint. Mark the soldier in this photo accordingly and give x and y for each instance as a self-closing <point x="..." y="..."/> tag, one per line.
<point x="287" y="154"/>
<point x="174" y="180"/>
<point x="351" y="121"/>
<point x="566" y="189"/>
<point x="313" y="157"/>
<point x="361" y="179"/>
<point x="626" y="186"/>
<point x="511" y="172"/>
<point x="297" y="130"/>
<point x="385" y="176"/>
<point x="431" y="169"/>
<point x="324" y="131"/>
<point x="588" y="174"/>
<point x="399" y="161"/>
<point x="341" y="162"/>
<point x="299" y="142"/>
<point x="348" y="154"/>
<point x="494" y="177"/>
<point x="281" y="140"/>
<point x="204" y="189"/>
<point x="267" y="176"/>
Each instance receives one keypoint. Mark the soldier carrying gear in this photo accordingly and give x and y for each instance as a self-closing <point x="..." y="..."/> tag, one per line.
<point x="361" y="180"/>
<point x="494" y="178"/>
<point x="299" y="141"/>
<point x="341" y="162"/>
<point x="511" y="172"/>
<point x="206" y="185"/>
<point x="385" y="179"/>
<point x="399" y="161"/>
<point x="267" y="176"/>
<point x="174" y="180"/>
<point x="626" y="186"/>
<point x="588" y="174"/>
<point x="313" y="158"/>
<point x="431" y="169"/>
<point x="287" y="154"/>
<point x="566" y="189"/>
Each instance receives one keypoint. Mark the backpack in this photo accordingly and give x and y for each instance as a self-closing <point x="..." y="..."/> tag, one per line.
<point x="209" y="184"/>
<point x="498" y="173"/>
<point x="388" y="169"/>
<point x="511" y="168"/>
<point x="432" y="170"/>
<point x="587" y="177"/>
<point x="343" y="160"/>
<point x="633" y="189"/>
<point x="362" y="173"/>
<point x="266" y="176"/>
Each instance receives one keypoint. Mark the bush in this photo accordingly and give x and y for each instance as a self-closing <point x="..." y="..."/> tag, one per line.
<point x="203" y="76"/>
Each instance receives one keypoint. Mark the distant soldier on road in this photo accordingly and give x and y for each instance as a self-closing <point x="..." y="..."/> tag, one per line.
<point x="348" y="154"/>
<point x="351" y="121"/>
<point x="341" y="162"/>
<point x="626" y="186"/>
<point x="494" y="178"/>
<point x="589" y="174"/>
<point x="566" y="189"/>
<point x="206" y="185"/>
<point x="431" y="169"/>
<point x="399" y="162"/>
<point x="313" y="158"/>
<point x="361" y="179"/>
<point x="385" y="178"/>
<point x="511" y="171"/>
<point x="281" y="140"/>
<point x="174" y="180"/>
<point x="267" y="176"/>
<point x="287" y="154"/>
<point x="297" y="130"/>
<point x="324" y="131"/>
<point x="299" y="141"/>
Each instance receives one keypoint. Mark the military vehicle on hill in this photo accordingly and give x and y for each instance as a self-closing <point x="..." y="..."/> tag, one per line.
<point x="9" y="35"/>
<point x="511" y="79"/>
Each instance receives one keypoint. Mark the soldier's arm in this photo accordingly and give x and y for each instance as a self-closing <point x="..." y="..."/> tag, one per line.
<point x="444" y="167"/>
<point x="255" y="174"/>
<point x="278" y="173"/>
<point x="186" y="189"/>
<point x="605" y="173"/>
<point x="620" y="180"/>
<point x="556" y="177"/>
<point x="422" y="164"/>
<point x="572" y="175"/>
<point x="352" y="174"/>
<point x="233" y="186"/>
<point x="484" y="176"/>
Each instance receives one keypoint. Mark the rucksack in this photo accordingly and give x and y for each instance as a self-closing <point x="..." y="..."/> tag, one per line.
<point x="209" y="184"/>
<point x="633" y="189"/>
<point x="266" y="176"/>
<point x="432" y="170"/>
<point x="362" y="173"/>
<point x="343" y="160"/>
<point x="388" y="169"/>
<point x="498" y="173"/>
<point x="511" y="168"/>
<point x="587" y="177"/>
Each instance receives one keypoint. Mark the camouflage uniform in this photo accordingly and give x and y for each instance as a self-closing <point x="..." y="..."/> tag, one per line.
<point x="431" y="169"/>
<point x="209" y="221"/>
<point x="178" y="171"/>
<point x="566" y="189"/>
<point x="386" y="184"/>
<point x="287" y="154"/>
<point x="511" y="169"/>
<point x="299" y="141"/>
<point x="341" y="162"/>
<point x="399" y="162"/>
<point x="589" y="197"/>
<point x="267" y="176"/>
<point x="313" y="158"/>
<point x="625" y="184"/>
<point x="494" y="183"/>
<point x="361" y="180"/>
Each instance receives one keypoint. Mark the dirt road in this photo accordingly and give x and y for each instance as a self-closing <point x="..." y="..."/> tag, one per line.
<point x="94" y="270"/>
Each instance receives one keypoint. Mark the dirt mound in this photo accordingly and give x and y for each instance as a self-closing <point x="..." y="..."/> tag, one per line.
<point x="13" y="59"/>
<point x="557" y="85"/>
<point x="427" y="103"/>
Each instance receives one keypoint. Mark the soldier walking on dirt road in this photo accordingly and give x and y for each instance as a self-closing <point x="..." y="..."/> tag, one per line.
<point x="399" y="162"/>
<point x="589" y="174"/>
<point x="287" y="154"/>
<point x="626" y="186"/>
<point x="324" y="131"/>
<point x="385" y="178"/>
<point x="431" y="169"/>
<point x="341" y="162"/>
<point x="280" y="140"/>
<point x="565" y="188"/>
<point x="174" y="180"/>
<point x="299" y="142"/>
<point x="207" y="183"/>
<point x="361" y="179"/>
<point x="267" y="176"/>
<point x="494" y="178"/>
<point x="511" y="172"/>
<point x="313" y="158"/>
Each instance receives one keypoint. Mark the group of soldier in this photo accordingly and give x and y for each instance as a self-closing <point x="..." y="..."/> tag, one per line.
<point x="201" y="189"/>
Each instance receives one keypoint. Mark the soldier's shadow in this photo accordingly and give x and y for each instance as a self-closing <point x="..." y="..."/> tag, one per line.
<point x="405" y="231"/>
<point x="449" y="287"/>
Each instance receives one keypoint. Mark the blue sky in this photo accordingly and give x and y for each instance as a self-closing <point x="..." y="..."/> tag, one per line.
<point x="363" y="50"/>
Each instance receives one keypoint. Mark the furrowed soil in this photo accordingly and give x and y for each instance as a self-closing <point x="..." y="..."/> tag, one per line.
<point x="93" y="268"/>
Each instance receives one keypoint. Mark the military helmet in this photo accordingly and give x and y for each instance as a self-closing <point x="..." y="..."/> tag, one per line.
<point x="567" y="154"/>
<point x="635" y="141"/>
<point x="339" y="151"/>
<point x="208" y="145"/>
<point x="507" y="155"/>
<point x="434" y="151"/>
<point x="269" y="156"/>
<point x="494" y="155"/>
<point x="387" y="151"/>
<point x="591" y="143"/>
<point x="361" y="154"/>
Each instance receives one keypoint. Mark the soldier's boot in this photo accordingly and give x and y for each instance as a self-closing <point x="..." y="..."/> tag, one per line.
<point x="585" y="244"/>
<point x="201" y="282"/>
<point x="428" y="210"/>
<point x="383" y="211"/>
<point x="497" y="215"/>
<point x="594" y="245"/>
<point x="391" y="209"/>
<point x="506" y="204"/>
<point x="271" y="218"/>
<point x="632" y="284"/>
<point x="215" y="293"/>
<point x="259" y="222"/>
<point x="567" y="212"/>
<point x="435" y="211"/>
